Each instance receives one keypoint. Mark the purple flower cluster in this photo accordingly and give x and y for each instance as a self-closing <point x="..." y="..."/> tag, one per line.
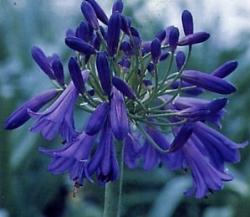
<point x="152" y="117"/>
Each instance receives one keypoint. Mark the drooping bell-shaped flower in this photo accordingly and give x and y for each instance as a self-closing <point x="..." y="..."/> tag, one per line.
<point x="97" y="119"/>
<point x="104" y="160"/>
<point x="58" y="118"/>
<point x="132" y="149"/>
<point x="118" y="115"/>
<point x="20" y="116"/>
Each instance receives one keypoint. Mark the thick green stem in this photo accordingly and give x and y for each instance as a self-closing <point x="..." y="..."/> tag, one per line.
<point x="113" y="190"/>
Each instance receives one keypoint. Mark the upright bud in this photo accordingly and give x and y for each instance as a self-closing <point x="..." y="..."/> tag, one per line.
<point x="42" y="61"/>
<point x="99" y="11"/>
<point x="161" y="35"/>
<point x="180" y="59"/>
<point x="117" y="6"/>
<point x="187" y="22"/>
<point x="76" y="75"/>
<point x="104" y="72"/>
<point x="89" y="14"/>
<point x="58" y="70"/>
<point x="113" y="34"/>
<point x="173" y="38"/>
<point x="156" y="50"/>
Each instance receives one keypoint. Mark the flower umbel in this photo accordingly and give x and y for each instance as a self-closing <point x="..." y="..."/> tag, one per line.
<point x="156" y="117"/>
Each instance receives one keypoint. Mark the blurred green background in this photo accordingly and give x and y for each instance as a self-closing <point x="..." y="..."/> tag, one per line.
<point x="28" y="190"/>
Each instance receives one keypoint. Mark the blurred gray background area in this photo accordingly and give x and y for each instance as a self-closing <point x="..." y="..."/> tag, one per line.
<point x="28" y="190"/>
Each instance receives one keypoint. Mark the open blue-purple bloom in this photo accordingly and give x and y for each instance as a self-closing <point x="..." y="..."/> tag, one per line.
<point x="150" y="116"/>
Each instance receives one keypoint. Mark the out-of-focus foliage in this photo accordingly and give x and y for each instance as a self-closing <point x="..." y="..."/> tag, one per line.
<point x="27" y="189"/>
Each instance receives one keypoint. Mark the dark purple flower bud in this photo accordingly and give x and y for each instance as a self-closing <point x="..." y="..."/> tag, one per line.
<point x="156" y="50"/>
<point x="125" y="63"/>
<point x="20" y="116"/>
<point x="226" y="69"/>
<point x="126" y="47"/>
<point x="118" y="115"/>
<point x="134" y="32"/>
<point x="84" y="32"/>
<point x="180" y="59"/>
<point x="164" y="56"/>
<point x="187" y="22"/>
<point x="195" y="38"/>
<point x="97" y="42"/>
<point x="90" y="14"/>
<point x="161" y="35"/>
<point x="217" y="105"/>
<point x="147" y="82"/>
<point x="182" y="137"/>
<point x="117" y="6"/>
<point x="173" y="38"/>
<point x="97" y="119"/>
<point x="104" y="72"/>
<point x="91" y="92"/>
<point x="123" y="87"/>
<point x="99" y="11"/>
<point x="151" y="67"/>
<point x="42" y="61"/>
<point x="80" y="45"/>
<point x="146" y="47"/>
<point x="58" y="71"/>
<point x="125" y="24"/>
<point x="76" y="75"/>
<point x="113" y="34"/>
<point x="168" y="30"/>
<point x="208" y="82"/>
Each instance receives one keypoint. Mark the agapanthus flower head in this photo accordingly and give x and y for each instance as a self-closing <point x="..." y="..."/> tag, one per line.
<point x="150" y="116"/>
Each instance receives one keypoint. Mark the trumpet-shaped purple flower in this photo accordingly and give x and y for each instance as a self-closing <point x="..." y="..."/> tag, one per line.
<point x="132" y="149"/>
<point x="118" y="115"/>
<point x="58" y="117"/>
<point x="97" y="119"/>
<point x="20" y="116"/>
<point x="104" y="161"/>
<point x="206" y="177"/>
